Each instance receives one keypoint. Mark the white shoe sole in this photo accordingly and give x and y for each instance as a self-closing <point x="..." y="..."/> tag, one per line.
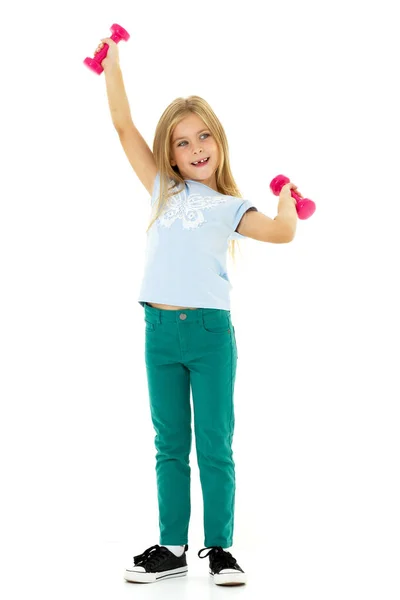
<point x="229" y="578"/>
<point x="144" y="577"/>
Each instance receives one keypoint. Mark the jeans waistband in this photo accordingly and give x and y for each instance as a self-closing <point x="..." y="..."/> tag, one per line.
<point x="163" y="314"/>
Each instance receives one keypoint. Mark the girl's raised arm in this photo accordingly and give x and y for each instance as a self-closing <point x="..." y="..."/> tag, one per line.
<point x="135" y="147"/>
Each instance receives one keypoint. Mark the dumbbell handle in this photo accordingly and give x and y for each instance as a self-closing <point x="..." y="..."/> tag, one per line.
<point x="296" y="196"/>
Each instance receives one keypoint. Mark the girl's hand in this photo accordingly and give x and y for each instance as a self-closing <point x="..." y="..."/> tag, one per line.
<point x="112" y="57"/>
<point x="285" y="191"/>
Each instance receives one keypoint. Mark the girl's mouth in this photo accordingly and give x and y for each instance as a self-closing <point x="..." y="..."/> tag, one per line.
<point x="201" y="164"/>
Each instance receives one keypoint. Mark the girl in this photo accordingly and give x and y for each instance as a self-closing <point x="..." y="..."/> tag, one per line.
<point x="190" y="342"/>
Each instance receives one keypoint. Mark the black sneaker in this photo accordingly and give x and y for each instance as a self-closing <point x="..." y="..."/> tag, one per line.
<point x="223" y="567"/>
<point x="156" y="563"/>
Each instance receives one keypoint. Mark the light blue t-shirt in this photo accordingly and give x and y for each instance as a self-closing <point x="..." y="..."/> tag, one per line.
<point x="187" y="247"/>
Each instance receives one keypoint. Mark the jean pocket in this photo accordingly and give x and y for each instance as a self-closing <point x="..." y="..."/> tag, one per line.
<point x="149" y="326"/>
<point x="218" y="324"/>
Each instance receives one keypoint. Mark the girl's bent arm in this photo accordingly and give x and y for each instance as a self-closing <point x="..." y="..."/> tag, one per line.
<point x="260" y="227"/>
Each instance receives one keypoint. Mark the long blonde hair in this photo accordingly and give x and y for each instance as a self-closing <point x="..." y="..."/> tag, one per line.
<point x="173" y="114"/>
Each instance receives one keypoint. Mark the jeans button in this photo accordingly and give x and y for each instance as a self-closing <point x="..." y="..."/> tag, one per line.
<point x="182" y="316"/>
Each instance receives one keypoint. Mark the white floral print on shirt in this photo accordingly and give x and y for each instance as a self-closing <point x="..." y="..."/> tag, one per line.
<point x="189" y="208"/>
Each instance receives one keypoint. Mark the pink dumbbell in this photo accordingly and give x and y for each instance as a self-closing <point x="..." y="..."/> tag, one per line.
<point x="118" y="34"/>
<point x="304" y="206"/>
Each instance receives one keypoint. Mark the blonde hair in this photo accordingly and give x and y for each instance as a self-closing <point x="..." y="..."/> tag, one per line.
<point x="173" y="114"/>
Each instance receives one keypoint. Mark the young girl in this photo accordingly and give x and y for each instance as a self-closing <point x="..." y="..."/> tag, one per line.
<point x="190" y="342"/>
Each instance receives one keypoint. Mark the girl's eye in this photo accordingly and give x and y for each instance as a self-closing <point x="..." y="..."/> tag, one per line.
<point x="207" y="134"/>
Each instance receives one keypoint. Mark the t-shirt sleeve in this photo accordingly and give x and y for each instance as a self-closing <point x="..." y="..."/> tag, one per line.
<point x="239" y="207"/>
<point x="156" y="188"/>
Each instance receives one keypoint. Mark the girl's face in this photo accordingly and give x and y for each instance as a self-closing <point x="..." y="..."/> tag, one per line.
<point x="192" y="141"/>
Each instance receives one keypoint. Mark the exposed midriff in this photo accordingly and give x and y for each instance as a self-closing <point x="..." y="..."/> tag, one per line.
<point x="169" y="307"/>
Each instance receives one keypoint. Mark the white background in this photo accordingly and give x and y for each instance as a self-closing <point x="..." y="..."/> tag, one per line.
<point x="308" y="89"/>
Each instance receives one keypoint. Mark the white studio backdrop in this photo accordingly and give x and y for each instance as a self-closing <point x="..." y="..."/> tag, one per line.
<point x="308" y="89"/>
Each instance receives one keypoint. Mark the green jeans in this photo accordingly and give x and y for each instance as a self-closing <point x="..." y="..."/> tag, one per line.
<point x="192" y="350"/>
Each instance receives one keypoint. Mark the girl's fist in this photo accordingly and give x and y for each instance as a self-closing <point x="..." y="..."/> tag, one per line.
<point x="285" y="191"/>
<point x="112" y="57"/>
